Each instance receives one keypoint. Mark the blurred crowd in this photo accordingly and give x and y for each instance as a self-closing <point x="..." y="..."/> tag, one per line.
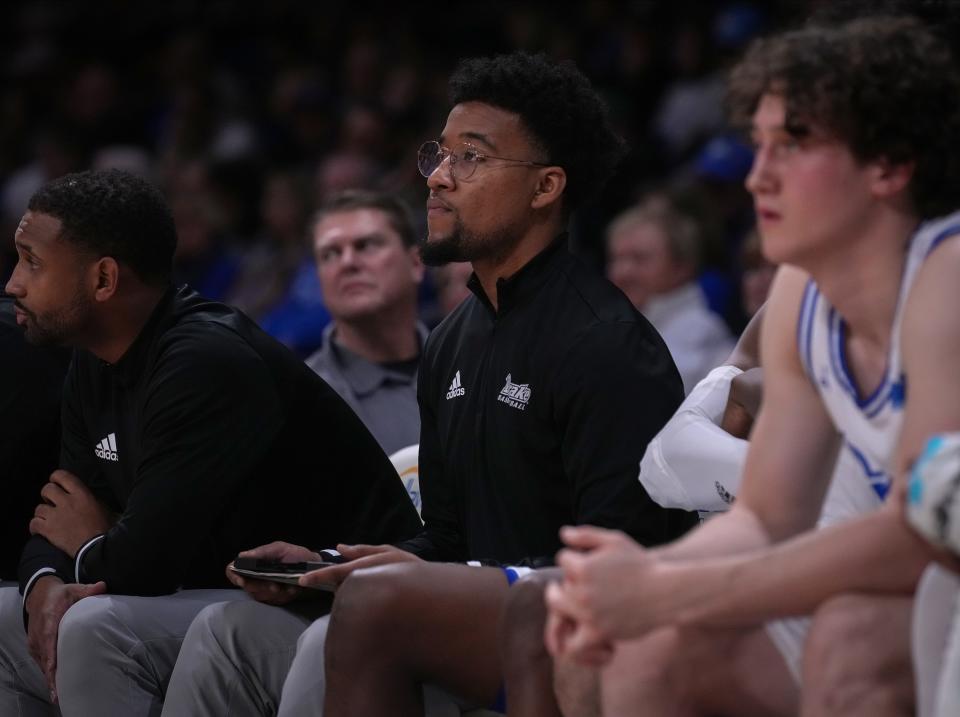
<point x="248" y="115"/>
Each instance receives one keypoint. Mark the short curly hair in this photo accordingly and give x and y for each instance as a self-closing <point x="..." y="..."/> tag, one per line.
<point x="113" y="213"/>
<point x="559" y="108"/>
<point x="885" y="86"/>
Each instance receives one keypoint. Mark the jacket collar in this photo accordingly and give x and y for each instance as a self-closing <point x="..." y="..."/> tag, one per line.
<point x="130" y="366"/>
<point x="516" y="289"/>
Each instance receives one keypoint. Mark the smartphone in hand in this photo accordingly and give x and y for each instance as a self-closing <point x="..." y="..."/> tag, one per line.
<point x="280" y="572"/>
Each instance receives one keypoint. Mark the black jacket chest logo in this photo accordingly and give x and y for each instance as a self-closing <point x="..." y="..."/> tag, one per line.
<point x="515" y="395"/>
<point x="456" y="389"/>
<point x="107" y="448"/>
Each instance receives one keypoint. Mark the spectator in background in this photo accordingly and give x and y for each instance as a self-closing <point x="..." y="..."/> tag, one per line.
<point x="756" y="275"/>
<point x="30" y="382"/>
<point x="56" y="152"/>
<point x="717" y="198"/>
<point x="692" y="106"/>
<point x="125" y="157"/>
<point x="268" y="266"/>
<point x="719" y="170"/>
<point x="203" y="260"/>
<point x="653" y="253"/>
<point x="299" y="317"/>
<point x="369" y="267"/>
<point x="278" y="284"/>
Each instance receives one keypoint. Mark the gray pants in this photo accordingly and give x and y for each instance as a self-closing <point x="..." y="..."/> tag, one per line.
<point x="115" y="653"/>
<point x="247" y="659"/>
<point x="236" y="658"/>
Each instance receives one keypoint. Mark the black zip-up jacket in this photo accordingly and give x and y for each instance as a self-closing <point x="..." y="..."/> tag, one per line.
<point x="209" y="437"/>
<point x="536" y="415"/>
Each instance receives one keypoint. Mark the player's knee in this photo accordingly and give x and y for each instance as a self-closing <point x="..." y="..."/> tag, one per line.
<point x="850" y="658"/>
<point x="524" y="616"/>
<point x="644" y="671"/>
<point x="311" y="644"/>
<point x="369" y="605"/>
<point x="84" y="633"/>
<point x="214" y="629"/>
<point x="840" y="639"/>
<point x="577" y="688"/>
<point x="85" y="623"/>
<point x="658" y="659"/>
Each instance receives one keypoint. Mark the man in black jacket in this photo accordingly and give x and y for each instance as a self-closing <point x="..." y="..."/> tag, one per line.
<point x="188" y="435"/>
<point x="537" y="398"/>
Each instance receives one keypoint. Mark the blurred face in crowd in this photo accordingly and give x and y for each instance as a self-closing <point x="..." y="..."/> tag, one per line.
<point x="363" y="264"/>
<point x="49" y="283"/>
<point x="755" y="286"/>
<point x="808" y="189"/>
<point x="639" y="263"/>
<point x="282" y="209"/>
<point x="482" y="216"/>
<point x="756" y="274"/>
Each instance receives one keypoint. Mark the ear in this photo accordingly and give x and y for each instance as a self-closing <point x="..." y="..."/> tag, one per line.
<point x="552" y="181"/>
<point x="888" y="179"/>
<point x="106" y="278"/>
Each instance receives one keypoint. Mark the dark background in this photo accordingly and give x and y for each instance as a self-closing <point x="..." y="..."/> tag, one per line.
<point x="215" y="100"/>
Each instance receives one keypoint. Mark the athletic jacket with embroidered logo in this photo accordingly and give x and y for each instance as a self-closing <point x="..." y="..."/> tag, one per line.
<point x="537" y="414"/>
<point x="208" y="437"/>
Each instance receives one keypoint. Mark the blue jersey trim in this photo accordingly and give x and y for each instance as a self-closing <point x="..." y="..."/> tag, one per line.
<point x="878" y="478"/>
<point x="945" y="234"/>
<point x="881" y="394"/>
<point x="833" y="347"/>
<point x="805" y="323"/>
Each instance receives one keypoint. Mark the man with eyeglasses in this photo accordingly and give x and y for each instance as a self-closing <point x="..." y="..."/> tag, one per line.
<point x="537" y="395"/>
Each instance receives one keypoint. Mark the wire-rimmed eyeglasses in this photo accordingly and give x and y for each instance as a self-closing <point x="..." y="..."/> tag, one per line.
<point x="463" y="160"/>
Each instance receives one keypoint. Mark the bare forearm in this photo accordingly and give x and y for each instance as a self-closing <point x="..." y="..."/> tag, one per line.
<point x="873" y="554"/>
<point x="732" y="533"/>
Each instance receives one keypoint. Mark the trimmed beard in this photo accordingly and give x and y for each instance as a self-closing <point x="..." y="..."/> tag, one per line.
<point x="466" y="245"/>
<point x="56" y="328"/>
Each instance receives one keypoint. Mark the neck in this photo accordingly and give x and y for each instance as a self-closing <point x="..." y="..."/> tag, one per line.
<point x="386" y="337"/>
<point x="123" y="321"/>
<point x="861" y="278"/>
<point x="489" y="270"/>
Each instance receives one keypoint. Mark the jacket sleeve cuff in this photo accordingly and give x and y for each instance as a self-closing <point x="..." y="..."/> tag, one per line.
<point x="29" y="586"/>
<point x="80" y="553"/>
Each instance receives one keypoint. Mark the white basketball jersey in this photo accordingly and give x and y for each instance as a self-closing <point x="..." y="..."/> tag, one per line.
<point x="870" y="425"/>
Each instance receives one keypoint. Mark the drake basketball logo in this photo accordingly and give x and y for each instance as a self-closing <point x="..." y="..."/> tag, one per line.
<point x="515" y="395"/>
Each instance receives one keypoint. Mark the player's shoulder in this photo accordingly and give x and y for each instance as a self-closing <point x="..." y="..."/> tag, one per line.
<point x="936" y="291"/>
<point x="942" y="256"/>
<point x="791" y="290"/>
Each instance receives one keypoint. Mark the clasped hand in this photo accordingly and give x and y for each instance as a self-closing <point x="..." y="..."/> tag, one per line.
<point x="603" y="595"/>
<point x="69" y="515"/>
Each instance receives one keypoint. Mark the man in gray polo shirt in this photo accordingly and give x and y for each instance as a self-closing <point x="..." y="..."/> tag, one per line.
<point x="370" y="269"/>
